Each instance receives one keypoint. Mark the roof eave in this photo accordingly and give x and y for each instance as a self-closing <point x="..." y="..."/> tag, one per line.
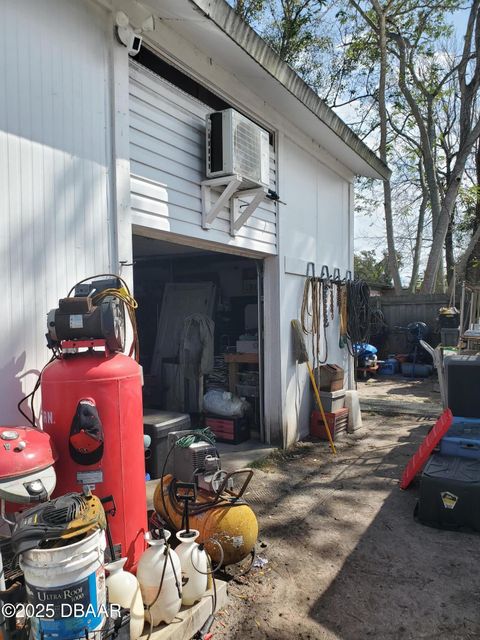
<point x="221" y="14"/>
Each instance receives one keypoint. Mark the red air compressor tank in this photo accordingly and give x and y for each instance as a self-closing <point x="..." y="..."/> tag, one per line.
<point x="111" y="384"/>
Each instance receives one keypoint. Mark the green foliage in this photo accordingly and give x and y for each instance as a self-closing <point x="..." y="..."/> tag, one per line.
<point x="368" y="267"/>
<point x="249" y="10"/>
<point x="468" y="199"/>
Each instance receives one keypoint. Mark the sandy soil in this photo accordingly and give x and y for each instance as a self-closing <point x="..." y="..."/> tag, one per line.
<point x="346" y="560"/>
<point x="392" y="395"/>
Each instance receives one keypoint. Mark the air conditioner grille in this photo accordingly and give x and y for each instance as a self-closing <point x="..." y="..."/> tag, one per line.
<point x="246" y="140"/>
<point x="237" y="146"/>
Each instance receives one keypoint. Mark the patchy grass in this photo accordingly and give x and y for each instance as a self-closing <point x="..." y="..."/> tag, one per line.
<point x="279" y="456"/>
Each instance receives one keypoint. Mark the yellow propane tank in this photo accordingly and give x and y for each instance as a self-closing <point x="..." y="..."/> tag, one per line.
<point x="233" y="525"/>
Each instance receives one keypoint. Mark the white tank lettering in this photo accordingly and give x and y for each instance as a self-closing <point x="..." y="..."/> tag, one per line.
<point x="47" y="417"/>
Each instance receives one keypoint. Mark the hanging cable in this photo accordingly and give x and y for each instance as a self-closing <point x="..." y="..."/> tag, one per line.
<point x="33" y="420"/>
<point x="358" y="313"/>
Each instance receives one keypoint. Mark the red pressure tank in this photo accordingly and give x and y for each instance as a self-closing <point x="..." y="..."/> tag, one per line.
<point x="92" y="409"/>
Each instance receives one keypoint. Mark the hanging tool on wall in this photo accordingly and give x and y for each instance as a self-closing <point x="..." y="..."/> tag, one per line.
<point x="301" y="355"/>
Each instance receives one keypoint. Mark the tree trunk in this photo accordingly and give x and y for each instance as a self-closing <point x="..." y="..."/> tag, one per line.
<point x="449" y="257"/>
<point x="472" y="267"/>
<point x="419" y="238"/>
<point x="387" y="190"/>
<point x="448" y="204"/>
<point x="469" y="132"/>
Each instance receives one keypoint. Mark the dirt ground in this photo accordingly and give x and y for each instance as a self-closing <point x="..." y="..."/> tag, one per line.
<point x="396" y="394"/>
<point x="346" y="560"/>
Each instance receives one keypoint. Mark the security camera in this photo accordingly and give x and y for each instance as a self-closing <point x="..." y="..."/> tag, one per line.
<point x="131" y="40"/>
<point x="128" y="36"/>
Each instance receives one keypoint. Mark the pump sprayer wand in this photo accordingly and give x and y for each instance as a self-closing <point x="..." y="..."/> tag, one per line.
<point x="301" y="355"/>
<point x="187" y="492"/>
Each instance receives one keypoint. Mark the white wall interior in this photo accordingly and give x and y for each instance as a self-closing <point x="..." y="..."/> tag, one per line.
<point x="54" y="172"/>
<point x="314" y="227"/>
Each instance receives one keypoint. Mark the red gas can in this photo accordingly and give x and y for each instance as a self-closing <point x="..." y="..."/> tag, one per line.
<point x="92" y="408"/>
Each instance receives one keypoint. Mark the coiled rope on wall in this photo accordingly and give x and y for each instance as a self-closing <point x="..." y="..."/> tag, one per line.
<point x="358" y="313"/>
<point x="322" y="299"/>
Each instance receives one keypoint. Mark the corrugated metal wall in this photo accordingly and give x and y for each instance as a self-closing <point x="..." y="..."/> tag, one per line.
<point x="54" y="186"/>
<point x="167" y="153"/>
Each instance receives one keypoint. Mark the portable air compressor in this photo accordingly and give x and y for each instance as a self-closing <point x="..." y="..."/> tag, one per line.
<point x="228" y="526"/>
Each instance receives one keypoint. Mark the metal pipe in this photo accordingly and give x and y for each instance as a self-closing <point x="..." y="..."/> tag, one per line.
<point x="3" y="513"/>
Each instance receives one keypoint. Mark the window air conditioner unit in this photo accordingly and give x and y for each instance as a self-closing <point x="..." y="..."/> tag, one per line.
<point x="236" y="145"/>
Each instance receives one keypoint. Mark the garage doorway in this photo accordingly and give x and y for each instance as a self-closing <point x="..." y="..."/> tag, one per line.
<point x="200" y="320"/>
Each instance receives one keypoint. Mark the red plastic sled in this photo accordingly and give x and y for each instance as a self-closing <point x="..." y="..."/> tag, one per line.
<point x="423" y="452"/>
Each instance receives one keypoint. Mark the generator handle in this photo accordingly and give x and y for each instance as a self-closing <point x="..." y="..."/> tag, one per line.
<point x="247" y="471"/>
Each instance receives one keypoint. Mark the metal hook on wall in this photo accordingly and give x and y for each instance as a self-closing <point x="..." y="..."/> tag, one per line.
<point x="348" y="276"/>
<point x="336" y="275"/>
<point x="323" y="272"/>
<point x="310" y="266"/>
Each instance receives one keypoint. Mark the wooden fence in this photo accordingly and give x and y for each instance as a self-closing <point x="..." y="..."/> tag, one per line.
<point x="399" y="311"/>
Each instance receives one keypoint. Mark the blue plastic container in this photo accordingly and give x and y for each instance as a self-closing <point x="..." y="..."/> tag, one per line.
<point x="460" y="447"/>
<point x="462" y="439"/>
<point x="416" y="370"/>
<point x="389" y="367"/>
<point x="464" y="428"/>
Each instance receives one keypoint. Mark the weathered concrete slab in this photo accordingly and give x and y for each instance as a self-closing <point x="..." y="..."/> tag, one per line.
<point x="237" y="456"/>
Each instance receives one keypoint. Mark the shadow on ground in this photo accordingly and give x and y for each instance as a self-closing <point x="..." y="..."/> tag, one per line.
<point x="346" y="558"/>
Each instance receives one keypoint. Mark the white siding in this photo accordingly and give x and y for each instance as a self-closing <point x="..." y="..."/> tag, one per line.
<point x="314" y="227"/>
<point x="53" y="172"/>
<point x="167" y="155"/>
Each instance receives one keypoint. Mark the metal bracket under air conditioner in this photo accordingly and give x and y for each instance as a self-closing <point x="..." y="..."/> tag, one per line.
<point x="231" y="194"/>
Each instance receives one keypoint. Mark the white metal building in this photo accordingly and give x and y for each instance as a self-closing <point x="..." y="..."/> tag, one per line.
<point x="97" y="147"/>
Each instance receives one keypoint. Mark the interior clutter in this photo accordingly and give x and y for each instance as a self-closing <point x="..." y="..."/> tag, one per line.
<point x="200" y="340"/>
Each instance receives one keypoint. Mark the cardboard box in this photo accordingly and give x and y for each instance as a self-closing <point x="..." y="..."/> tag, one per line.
<point x="330" y="377"/>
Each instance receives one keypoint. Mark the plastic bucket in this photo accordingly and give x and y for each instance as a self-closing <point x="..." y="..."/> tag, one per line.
<point x="66" y="589"/>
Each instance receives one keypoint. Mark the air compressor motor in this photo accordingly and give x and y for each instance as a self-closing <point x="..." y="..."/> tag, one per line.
<point x="89" y="314"/>
<point x="197" y="462"/>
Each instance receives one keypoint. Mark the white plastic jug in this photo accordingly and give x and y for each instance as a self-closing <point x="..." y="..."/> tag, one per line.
<point x="194" y="567"/>
<point x="123" y="589"/>
<point x="163" y="604"/>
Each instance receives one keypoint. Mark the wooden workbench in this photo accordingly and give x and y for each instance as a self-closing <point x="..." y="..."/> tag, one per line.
<point x="233" y="360"/>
